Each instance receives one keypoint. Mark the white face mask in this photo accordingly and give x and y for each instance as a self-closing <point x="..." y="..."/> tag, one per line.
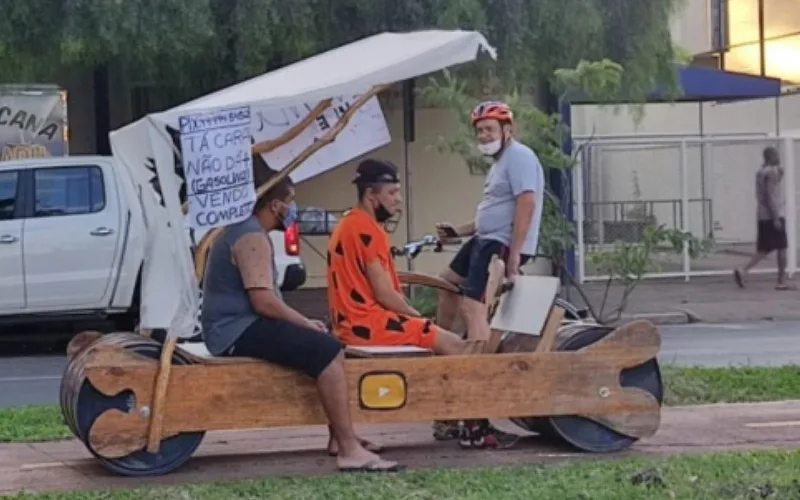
<point x="491" y="148"/>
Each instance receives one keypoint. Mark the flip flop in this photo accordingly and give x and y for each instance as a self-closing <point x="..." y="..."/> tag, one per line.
<point x="374" y="467"/>
<point x="785" y="287"/>
<point x="369" y="446"/>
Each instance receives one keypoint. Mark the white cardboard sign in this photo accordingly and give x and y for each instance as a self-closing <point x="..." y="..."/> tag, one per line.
<point x="217" y="163"/>
<point x="366" y="131"/>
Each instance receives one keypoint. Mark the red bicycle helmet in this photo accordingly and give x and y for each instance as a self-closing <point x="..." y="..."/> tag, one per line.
<point x="493" y="110"/>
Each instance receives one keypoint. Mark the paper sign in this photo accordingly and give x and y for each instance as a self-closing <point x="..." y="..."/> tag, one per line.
<point x="218" y="167"/>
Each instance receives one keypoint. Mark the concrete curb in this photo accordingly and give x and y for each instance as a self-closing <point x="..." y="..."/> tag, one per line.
<point x="664" y="318"/>
<point x="687" y="316"/>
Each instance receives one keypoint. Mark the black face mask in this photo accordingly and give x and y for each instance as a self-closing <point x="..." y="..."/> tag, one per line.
<point x="382" y="214"/>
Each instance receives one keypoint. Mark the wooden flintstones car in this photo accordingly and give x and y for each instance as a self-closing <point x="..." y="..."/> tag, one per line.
<point x="142" y="407"/>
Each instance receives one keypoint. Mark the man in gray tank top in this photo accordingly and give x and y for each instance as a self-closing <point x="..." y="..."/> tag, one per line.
<point x="770" y="218"/>
<point x="244" y="315"/>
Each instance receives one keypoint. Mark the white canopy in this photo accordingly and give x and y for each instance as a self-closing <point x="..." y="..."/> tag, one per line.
<point x="148" y="148"/>
<point x="351" y="69"/>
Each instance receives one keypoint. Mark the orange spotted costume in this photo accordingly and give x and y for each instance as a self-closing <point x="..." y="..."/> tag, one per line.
<point x="357" y="318"/>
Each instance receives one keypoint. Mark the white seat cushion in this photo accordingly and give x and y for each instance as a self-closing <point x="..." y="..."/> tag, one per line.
<point x="196" y="349"/>
<point x="199" y="349"/>
<point x="387" y="351"/>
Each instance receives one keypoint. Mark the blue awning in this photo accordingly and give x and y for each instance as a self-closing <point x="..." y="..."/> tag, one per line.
<point x="700" y="83"/>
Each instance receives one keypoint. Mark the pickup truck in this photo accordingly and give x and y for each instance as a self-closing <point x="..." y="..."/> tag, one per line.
<point x="72" y="240"/>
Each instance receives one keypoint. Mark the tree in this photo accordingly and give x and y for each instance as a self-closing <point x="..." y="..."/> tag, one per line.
<point x="625" y="262"/>
<point x="200" y="45"/>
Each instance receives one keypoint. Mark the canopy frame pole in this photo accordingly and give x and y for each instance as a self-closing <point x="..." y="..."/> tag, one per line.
<point x="154" y="432"/>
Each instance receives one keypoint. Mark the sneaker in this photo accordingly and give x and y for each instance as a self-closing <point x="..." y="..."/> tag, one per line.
<point x="446" y="430"/>
<point x="482" y="434"/>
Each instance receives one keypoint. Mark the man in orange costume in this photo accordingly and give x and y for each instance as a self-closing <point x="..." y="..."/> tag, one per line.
<point x="366" y="303"/>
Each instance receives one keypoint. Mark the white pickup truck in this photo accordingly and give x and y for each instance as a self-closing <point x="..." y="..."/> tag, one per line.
<point x="71" y="244"/>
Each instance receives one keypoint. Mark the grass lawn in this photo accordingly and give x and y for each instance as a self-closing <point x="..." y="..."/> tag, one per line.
<point x="32" y="423"/>
<point x="749" y="475"/>
<point x="684" y="386"/>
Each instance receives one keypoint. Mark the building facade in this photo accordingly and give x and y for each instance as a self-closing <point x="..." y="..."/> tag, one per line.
<point x="757" y="37"/>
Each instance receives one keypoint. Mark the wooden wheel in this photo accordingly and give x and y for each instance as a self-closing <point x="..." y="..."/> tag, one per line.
<point x="82" y="404"/>
<point x="579" y="432"/>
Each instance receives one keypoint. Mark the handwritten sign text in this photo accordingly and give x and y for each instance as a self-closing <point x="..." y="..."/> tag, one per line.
<point x="217" y="164"/>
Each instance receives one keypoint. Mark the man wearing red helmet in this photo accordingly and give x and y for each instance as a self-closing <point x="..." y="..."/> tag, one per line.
<point x="506" y="223"/>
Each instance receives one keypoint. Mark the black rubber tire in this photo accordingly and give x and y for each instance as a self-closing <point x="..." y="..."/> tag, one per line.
<point x="81" y="411"/>
<point x="584" y="434"/>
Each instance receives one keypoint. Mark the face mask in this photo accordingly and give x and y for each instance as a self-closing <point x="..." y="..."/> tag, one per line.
<point x="492" y="148"/>
<point x="290" y="217"/>
<point x="382" y="214"/>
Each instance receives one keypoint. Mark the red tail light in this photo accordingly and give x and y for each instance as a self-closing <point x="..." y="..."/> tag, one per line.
<point x="291" y="240"/>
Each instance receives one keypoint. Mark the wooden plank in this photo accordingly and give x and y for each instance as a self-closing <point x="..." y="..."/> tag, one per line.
<point x="422" y="279"/>
<point x="160" y="396"/>
<point x="548" y="337"/>
<point x="257" y="395"/>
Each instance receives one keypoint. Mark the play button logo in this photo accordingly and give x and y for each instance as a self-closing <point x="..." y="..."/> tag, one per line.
<point x="382" y="391"/>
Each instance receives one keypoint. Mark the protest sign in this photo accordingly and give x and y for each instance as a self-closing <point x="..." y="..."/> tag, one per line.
<point x="218" y="167"/>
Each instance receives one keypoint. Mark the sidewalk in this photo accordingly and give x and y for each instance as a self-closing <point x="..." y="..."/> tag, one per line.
<point x="703" y="299"/>
<point x="714" y="299"/>
<point x="259" y="454"/>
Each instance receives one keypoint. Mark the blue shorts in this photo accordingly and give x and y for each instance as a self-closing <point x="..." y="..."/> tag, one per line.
<point x="472" y="263"/>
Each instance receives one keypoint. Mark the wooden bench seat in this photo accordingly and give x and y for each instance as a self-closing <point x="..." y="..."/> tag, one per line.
<point x="524" y="309"/>
<point x="199" y="353"/>
<point x="399" y="351"/>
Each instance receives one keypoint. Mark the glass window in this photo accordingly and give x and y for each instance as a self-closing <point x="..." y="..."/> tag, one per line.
<point x="781" y="18"/>
<point x="782" y="58"/>
<point x="744" y="59"/>
<point x="8" y="195"/>
<point x="68" y="191"/>
<point x="742" y="21"/>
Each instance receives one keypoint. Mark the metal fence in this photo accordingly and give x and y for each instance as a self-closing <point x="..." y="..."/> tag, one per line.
<point x="701" y="184"/>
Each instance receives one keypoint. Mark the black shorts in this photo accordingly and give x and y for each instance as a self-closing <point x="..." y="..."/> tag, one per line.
<point x="472" y="263"/>
<point x="769" y="237"/>
<point x="288" y="345"/>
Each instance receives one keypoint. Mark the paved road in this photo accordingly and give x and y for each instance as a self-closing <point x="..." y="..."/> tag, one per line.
<point x="762" y="344"/>
<point x="34" y="379"/>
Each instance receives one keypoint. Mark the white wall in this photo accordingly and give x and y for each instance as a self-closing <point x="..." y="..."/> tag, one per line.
<point x="722" y="172"/>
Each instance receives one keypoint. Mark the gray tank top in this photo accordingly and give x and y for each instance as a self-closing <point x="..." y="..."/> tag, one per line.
<point x="226" y="309"/>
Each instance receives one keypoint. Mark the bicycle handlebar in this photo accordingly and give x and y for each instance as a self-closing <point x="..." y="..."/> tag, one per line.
<point x="413" y="248"/>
